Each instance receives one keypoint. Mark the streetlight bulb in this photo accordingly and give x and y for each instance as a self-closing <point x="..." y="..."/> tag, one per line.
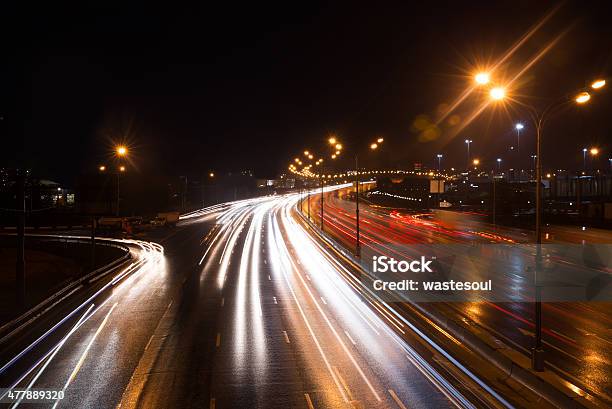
<point x="498" y="93"/>
<point x="468" y="141"/>
<point x="498" y="159"/>
<point x="306" y="153"/>
<point x="380" y="140"/>
<point x="582" y="97"/>
<point x="332" y="141"/>
<point x="122" y="168"/>
<point x="212" y="174"/>
<point x="519" y="126"/>
<point x="482" y="78"/>
<point x="439" y="156"/>
<point x="598" y="84"/>
<point x="121" y="150"/>
<point x="476" y="162"/>
<point x="310" y="156"/>
<point x="337" y="153"/>
<point x="373" y="146"/>
<point x="594" y="151"/>
<point x="102" y="168"/>
<point x="338" y="146"/>
<point x="333" y="156"/>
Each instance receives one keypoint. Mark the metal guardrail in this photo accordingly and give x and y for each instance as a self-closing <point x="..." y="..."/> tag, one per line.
<point x="15" y="326"/>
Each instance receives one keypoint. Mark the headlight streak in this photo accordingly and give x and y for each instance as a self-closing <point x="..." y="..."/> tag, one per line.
<point x="280" y="268"/>
<point x="225" y="255"/>
<point x="51" y="354"/>
<point x="280" y="242"/>
<point x="382" y="305"/>
<point x="84" y="355"/>
<point x="150" y="255"/>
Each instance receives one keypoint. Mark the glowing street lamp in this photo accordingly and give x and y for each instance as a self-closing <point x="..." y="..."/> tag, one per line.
<point x="102" y="168"/>
<point x="121" y="150"/>
<point x="121" y="168"/>
<point x="380" y="140"/>
<point x="582" y="97"/>
<point x="594" y="151"/>
<point x="539" y="118"/>
<point x="482" y="78"/>
<point x="212" y="174"/>
<point x="374" y="146"/>
<point x="598" y="84"/>
<point x="468" y="142"/>
<point x="332" y="141"/>
<point x="497" y="93"/>
<point x="338" y="146"/>
<point x="499" y="161"/>
<point x="476" y="162"/>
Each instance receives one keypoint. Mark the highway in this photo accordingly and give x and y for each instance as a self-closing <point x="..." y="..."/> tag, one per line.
<point x="576" y="335"/>
<point x="241" y="308"/>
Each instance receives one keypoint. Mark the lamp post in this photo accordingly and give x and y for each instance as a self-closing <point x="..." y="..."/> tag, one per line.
<point x="539" y="118"/>
<point x="519" y="127"/>
<point x="584" y="153"/>
<point x="468" y="142"/>
<point x="499" y="161"/>
<point x="439" y="156"/>
<point x="373" y="146"/>
<point x="121" y="151"/>
<point x="594" y="152"/>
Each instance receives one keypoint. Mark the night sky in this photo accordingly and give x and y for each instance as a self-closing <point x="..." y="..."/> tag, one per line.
<point x="233" y="87"/>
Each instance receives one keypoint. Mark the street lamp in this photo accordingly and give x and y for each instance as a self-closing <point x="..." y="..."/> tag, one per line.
<point x="482" y="78"/>
<point x="439" y="157"/>
<point x="539" y="118"/>
<point x="499" y="161"/>
<point x="102" y="168"/>
<point x="519" y="127"/>
<point x="468" y="142"/>
<point x="476" y="162"/>
<point x="498" y="93"/>
<point x="121" y="150"/>
<point x="594" y="152"/>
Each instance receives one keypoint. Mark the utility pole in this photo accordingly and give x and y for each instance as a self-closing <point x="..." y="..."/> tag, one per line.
<point x="20" y="266"/>
<point x="357" y="244"/>
<point x="321" y="204"/>
<point x="308" y="204"/>
<point x="93" y="242"/>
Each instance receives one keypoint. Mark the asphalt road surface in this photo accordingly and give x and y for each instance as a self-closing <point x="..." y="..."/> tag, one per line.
<point x="576" y="335"/>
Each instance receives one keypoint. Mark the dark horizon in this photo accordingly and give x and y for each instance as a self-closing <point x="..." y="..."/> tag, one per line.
<point x="199" y="88"/>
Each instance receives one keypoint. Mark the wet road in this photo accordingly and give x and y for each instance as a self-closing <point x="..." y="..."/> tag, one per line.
<point x="241" y="309"/>
<point x="576" y="334"/>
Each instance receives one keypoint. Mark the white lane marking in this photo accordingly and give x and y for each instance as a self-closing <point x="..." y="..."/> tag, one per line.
<point x="350" y="338"/>
<point x="397" y="399"/>
<point x="275" y="302"/>
<point x="286" y="337"/>
<point x="308" y="401"/>
<point x="344" y="384"/>
<point x="323" y="299"/>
